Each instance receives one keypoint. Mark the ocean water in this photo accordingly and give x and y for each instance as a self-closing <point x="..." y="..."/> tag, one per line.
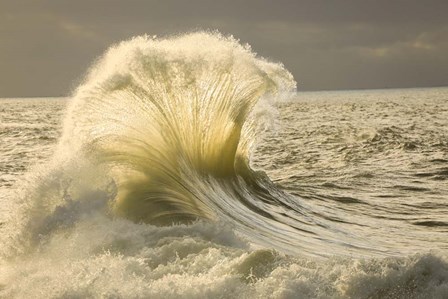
<point x="191" y="168"/>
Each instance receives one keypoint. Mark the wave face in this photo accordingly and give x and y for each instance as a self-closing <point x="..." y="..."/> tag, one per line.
<point x="151" y="192"/>
<point x="169" y="119"/>
<point x="161" y="132"/>
<point x="173" y="123"/>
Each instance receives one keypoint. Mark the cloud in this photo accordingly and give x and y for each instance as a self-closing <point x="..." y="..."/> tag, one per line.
<point x="78" y="31"/>
<point x="47" y="45"/>
<point x="425" y="43"/>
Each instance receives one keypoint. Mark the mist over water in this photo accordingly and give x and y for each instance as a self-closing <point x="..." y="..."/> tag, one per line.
<point x="190" y="167"/>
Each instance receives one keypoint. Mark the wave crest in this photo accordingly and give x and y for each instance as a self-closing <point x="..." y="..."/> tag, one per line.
<point x="165" y="115"/>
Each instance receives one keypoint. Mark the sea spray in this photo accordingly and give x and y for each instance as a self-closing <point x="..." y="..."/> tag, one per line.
<point x="162" y="130"/>
<point x="166" y="115"/>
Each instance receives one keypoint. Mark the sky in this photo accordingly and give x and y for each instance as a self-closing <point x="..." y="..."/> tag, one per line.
<point x="46" y="46"/>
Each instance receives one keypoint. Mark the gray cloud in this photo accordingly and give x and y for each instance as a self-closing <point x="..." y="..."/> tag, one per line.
<point x="46" y="46"/>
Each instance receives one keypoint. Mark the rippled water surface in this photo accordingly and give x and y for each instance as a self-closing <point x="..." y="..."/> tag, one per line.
<point x="29" y="129"/>
<point x="374" y="162"/>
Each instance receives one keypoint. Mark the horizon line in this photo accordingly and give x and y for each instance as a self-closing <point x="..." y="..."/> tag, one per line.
<point x="297" y="90"/>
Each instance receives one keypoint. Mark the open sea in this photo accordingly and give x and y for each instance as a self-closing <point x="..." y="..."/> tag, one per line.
<point x="191" y="168"/>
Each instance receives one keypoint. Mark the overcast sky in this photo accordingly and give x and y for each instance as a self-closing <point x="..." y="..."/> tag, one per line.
<point x="46" y="46"/>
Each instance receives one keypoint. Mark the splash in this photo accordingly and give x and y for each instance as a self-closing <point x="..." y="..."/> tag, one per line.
<point x="161" y="131"/>
<point x="166" y="115"/>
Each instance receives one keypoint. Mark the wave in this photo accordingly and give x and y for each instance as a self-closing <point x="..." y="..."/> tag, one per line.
<point x="161" y="132"/>
<point x="164" y="129"/>
<point x="166" y="116"/>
